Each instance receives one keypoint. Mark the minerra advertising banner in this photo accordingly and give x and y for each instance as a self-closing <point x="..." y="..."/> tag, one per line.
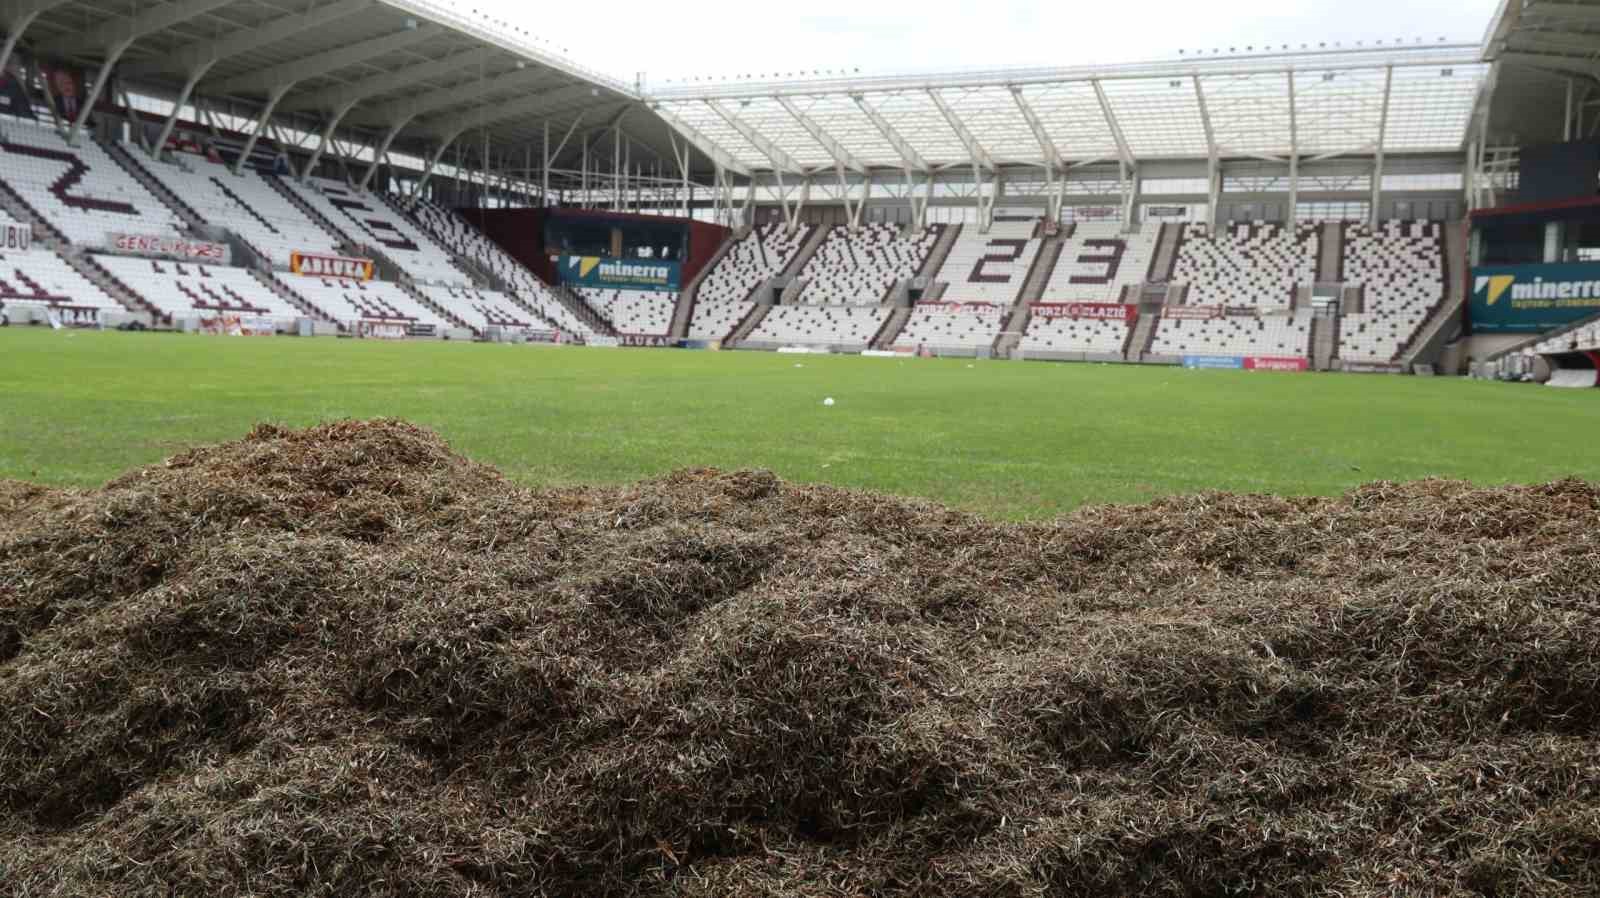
<point x="319" y="266"/>
<point x="1532" y="299"/>
<point x="620" y="274"/>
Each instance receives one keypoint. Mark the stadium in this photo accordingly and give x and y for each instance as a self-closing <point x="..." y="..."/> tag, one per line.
<point x="432" y="465"/>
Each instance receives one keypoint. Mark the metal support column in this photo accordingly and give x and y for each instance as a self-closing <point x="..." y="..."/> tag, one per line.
<point x="100" y="81"/>
<point x="183" y="97"/>
<point x="261" y="125"/>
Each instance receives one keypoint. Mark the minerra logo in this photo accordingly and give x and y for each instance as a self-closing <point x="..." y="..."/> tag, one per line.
<point x="584" y="264"/>
<point x="1563" y="292"/>
<point x="1496" y="285"/>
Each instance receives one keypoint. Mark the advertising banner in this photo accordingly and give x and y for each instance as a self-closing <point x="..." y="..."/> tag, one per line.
<point x="180" y="248"/>
<point x="1213" y="361"/>
<point x="320" y="266"/>
<point x="1532" y="299"/>
<point x="620" y="274"/>
<point x="237" y="326"/>
<point x="1276" y="363"/>
<point x="1191" y="313"/>
<point x="958" y="308"/>
<point x="381" y="330"/>
<point x="15" y="237"/>
<point x="652" y="341"/>
<point x="1104" y="311"/>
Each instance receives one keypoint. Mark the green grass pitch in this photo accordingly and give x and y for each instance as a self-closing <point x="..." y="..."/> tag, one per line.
<point x="1009" y="439"/>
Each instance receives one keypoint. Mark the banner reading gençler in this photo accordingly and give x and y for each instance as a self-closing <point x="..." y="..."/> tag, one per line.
<point x="1103" y="311"/>
<point x="315" y="265"/>
<point x="181" y="248"/>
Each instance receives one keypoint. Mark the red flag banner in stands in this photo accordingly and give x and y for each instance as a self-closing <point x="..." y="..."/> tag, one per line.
<point x="1273" y="363"/>
<point x="15" y="236"/>
<point x="1104" y="311"/>
<point x="319" y="266"/>
<point x="1192" y="313"/>
<point x="180" y="248"/>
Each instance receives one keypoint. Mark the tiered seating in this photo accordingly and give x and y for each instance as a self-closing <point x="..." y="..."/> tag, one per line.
<point x="724" y="295"/>
<point x="861" y="268"/>
<point x="42" y="278"/>
<point x="1400" y="267"/>
<point x="846" y="326"/>
<point x="936" y="325"/>
<point x="246" y="205"/>
<point x="1098" y="261"/>
<point x="80" y="190"/>
<point x="462" y="238"/>
<point x="990" y="267"/>
<point x="1074" y="335"/>
<point x="1283" y="336"/>
<point x="347" y="301"/>
<point x="1578" y="339"/>
<point x="181" y="290"/>
<point x="368" y="219"/>
<point x="1256" y="264"/>
<point x="482" y="309"/>
<point x="633" y="311"/>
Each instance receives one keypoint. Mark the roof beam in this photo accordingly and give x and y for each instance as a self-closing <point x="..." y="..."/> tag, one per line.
<point x="446" y="129"/>
<point x="1554" y="63"/>
<point x="593" y="143"/>
<point x="1052" y="156"/>
<point x="980" y="156"/>
<point x="1575" y="13"/>
<point x="320" y="64"/>
<point x="246" y="40"/>
<point x="720" y="157"/>
<point x="1111" y="122"/>
<point x="908" y="153"/>
<point x="461" y="96"/>
<point x="1535" y="41"/>
<point x="780" y="157"/>
<point x="841" y="156"/>
<point x="337" y="97"/>
<point x="1205" y="119"/>
<point x="129" y="28"/>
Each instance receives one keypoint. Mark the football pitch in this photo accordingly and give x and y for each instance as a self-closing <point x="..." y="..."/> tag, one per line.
<point x="1008" y="439"/>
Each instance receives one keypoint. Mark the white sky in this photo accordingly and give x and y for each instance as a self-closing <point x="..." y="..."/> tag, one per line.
<point x="717" y="38"/>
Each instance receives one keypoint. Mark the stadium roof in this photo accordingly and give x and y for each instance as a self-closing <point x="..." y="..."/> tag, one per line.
<point x="1537" y="48"/>
<point x="426" y="73"/>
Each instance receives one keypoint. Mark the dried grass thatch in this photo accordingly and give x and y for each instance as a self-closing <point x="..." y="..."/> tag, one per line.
<point x="344" y="661"/>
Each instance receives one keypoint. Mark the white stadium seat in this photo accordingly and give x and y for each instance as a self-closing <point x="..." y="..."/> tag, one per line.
<point x="1247" y="264"/>
<point x="990" y="267"/>
<point x="1400" y="270"/>
<point x="851" y="327"/>
<point x="859" y="269"/>
<point x="1098" y="261"/>
<point x="80" y="190"/>
<point x="180" y="289"/>
<point x="936" y="326"/>
<point x="633" y="311"/>
<point x="369" y="219"/>
<point x="724" y="297"/>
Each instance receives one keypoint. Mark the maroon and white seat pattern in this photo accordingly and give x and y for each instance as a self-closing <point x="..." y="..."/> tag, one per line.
<point x="1585" y="339"/>
<point x="1098" y="261"/>
<point x="348" y="301"/>
<point x="42" y="278"/>
<point x="482" y="309"/>
<point x="1276" y="335"/>
<point x="80" y="190"/>
<point x="368" y="219"/>
<point x="724" y="295"/>
<point x="860" y="268"/>
<point x="847" y="327"/>
<point x="990" y="267"/>
<point x="245" y="204"/>
<point x="633" y="311"/>
<point x="1400" y="268"/>
<point x="181" y="290"/>
<point x="938" y="326"/>
<point x="1247" y="264"/>
<point x="1103" y="335"/>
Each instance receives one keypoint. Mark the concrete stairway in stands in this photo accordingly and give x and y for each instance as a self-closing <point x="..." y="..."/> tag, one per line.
<point x="1141" y="337"/>
<point x="1044" y="267"/>
<point x="1429" y="341"/>
<point x="893" y="327"/>
<point x="684" y="313"/>
<point x="137" y="171"/>
<point x="1324" y="342"/>
<point x="1165" y="259"/>
<point x="818" y="236"/>
<point x="747" y="325"/>
<point x="310" y="309"/>
<point x="939" y="253"/>
<point x="1331" y="258"/>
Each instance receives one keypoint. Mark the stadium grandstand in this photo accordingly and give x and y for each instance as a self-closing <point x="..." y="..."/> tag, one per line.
<point x="406" y="168"/>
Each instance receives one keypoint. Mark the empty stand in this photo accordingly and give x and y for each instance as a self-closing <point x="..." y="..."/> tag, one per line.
<point x="990" y="267"/>
<point x="1256" y="264"/>
<point x="1285" y="336"/>
<point x="348" y="301"/>
<point x="1399" y="268"/>
<point x="633" y="311"/>
<point x="1098" y="261"/>
<point x="725" y="295"/>
<point x="849" y="327"/>
<point x="178" y="290"/>
<point x="81" y="191"/>
<point x="371" y="221"/>
<point x="952" y="326"/>
<point x="482" y="309"/>
<point x="1075" y="335"/>
<point x="861" y="268"/>
<point x="42" y="278"/>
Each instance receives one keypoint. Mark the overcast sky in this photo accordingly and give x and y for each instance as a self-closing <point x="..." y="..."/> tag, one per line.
<point x="717" y="38"/>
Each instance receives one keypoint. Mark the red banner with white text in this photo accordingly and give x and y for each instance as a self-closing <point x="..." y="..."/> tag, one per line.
<point x="1275" y="363"/>
<point x="1103" y="311"/>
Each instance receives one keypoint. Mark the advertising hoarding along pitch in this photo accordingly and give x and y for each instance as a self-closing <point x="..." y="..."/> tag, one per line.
<point x="1532" y="299"/>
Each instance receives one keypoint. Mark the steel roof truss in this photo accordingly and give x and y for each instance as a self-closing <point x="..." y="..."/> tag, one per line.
<point x="975" y="150"/>
<point x="320" y="64"/>
<point x="841" y="156"/>
<point x="1111" y="122"/>
<point x="908" y="153"/>
<point x="781" y="160"/>
<point x="719" y="157"/>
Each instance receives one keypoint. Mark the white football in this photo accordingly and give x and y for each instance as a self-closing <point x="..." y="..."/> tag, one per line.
<point x="828" y="401"/>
